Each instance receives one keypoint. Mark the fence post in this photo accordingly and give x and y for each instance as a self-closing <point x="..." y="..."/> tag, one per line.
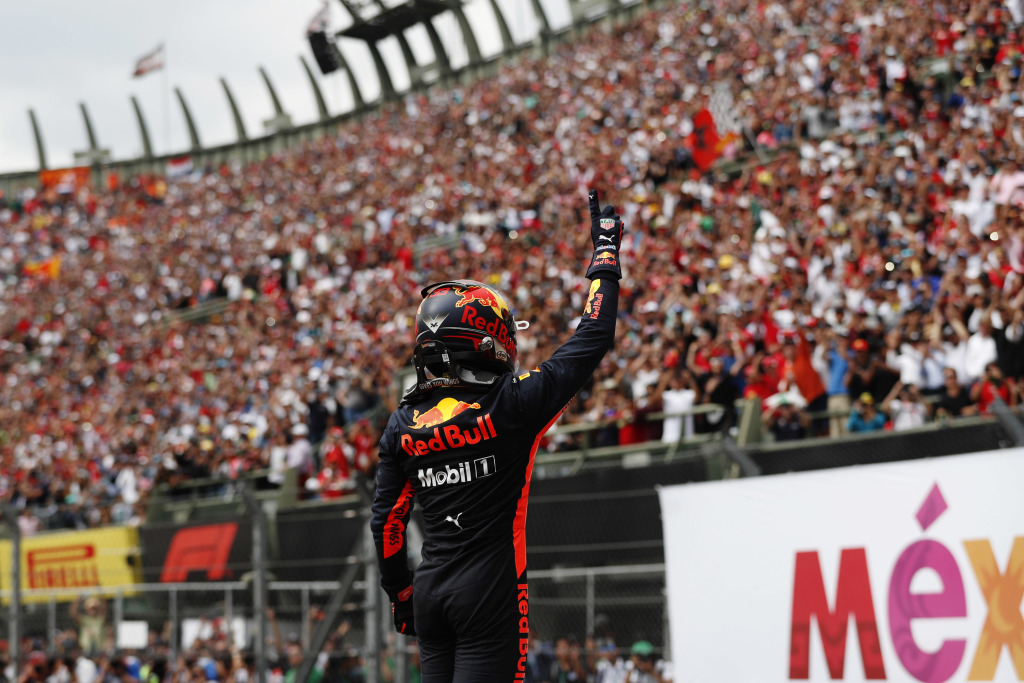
<point x="304" y="618"/>
<point x="259" y="576"/>
<point x="401" y="659"/>
<point x="372" y="607"/>
<point x="591" y="599"/>
<point x="118" y="612"/>
<point x="51" y="625"/>
<point x="173" y="616"/>
<point x="11" y="517"/>
<point x="229" y="612"/>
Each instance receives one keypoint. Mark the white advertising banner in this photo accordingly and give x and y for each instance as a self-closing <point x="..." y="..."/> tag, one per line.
<point x="910" y="571"/>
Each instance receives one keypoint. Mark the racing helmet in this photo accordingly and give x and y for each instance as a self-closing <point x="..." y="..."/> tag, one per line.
<point x="465" y="333"/>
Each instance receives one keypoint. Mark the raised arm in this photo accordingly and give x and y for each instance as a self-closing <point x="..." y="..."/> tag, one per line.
<point x="546" y="391"/>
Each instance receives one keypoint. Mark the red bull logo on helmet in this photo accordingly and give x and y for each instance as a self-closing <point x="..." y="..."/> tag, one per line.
<point x="484" y="297"/>
<point x="445" y="410"/>
<point x="496" y="328"/>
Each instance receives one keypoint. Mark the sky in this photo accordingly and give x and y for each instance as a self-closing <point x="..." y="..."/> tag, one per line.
<point x="57" y="54"/>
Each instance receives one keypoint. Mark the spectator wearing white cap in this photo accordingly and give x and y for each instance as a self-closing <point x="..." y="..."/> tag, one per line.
<point x="300" y="453"/>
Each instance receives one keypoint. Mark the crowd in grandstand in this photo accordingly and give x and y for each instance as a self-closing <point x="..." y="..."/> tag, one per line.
<point x="866" y="233"/>
<point x="854" y="259"/>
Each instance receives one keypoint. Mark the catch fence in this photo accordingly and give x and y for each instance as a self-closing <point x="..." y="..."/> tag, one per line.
<point x="184" y="621"/>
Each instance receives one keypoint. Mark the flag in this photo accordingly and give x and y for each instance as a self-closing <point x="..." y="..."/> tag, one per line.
<point x="704" y="140"/>
<point x="705" y="143"/>
<point x="50" y="268"/>
<point x="65" y="180"/>
<point x="319" y="22"/>
<point x="150" y="62"/>
<point x="179" y="167"/>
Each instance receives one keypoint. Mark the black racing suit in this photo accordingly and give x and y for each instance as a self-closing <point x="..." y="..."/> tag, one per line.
<point x="467" y="455"/>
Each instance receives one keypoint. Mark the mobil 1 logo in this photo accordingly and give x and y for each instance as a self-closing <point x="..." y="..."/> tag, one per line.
<point x="456" y="473"/>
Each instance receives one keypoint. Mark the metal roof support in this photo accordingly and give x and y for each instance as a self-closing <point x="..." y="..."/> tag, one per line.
<point x="321" y="106"/>
<point x="38" y="135"/>
<point x="506" y="35"/>
<point x="89" y="133"/>
<point x="357" y="94"/>
<point x="193" y="134"/>
<point x="278" y="110"/>
<point x="147" y="147"/>
<point x="387" y="88"/>
<point x="407" y="55"/>
<point x="440" y="54"/>
<point x="235" y="113"/>
<point x="467" y="35"/>
<point x="280" y="120"/>
<point x="542" y="17"/>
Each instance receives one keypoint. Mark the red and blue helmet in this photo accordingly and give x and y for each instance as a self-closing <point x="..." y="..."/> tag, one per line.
<point x="465" y="331"/>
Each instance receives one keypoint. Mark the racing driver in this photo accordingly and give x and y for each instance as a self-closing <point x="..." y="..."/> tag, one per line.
<point x="462" y="442"/>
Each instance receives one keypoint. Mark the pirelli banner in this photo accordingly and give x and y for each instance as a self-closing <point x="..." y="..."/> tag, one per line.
<point x="207" y="551"/>
<point x="910" y="571"/>
<point x="98" y="561"/>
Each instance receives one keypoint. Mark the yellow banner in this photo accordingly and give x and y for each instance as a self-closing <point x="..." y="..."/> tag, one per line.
<point x="70" y="563"/>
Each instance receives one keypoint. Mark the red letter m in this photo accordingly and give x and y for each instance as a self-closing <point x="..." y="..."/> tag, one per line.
<point x="853" y="596"/>
<point x="199" y="548"/>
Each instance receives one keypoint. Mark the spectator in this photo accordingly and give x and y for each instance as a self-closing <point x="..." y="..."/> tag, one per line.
<point x="981" y="350"/>
<point x="868" y="373"/>
<point x="299" y="456"/>
<point x="717" y="387"/>
<point x="991" y="386"/>
<point x="953" y="400"/>
<point x="865" y="417"/>
<point x="568" y="664"/>
<point x="28" y="523"/>
<point x="347" y="668"/>
<point x="90" y="616"/>
<point x="837" y="356"/>
<point x="677" y="390"/>
<point x="787" y="421"/>
<point x="798" y="372"/>
<point x="905" y="407"/>
<point x="643" y="666"/>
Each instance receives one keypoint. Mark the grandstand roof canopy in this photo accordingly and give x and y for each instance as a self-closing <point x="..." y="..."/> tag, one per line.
<point x="373" y="21"/>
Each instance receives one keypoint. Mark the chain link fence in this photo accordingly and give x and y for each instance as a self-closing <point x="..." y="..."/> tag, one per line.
<point x="600" y="607"/>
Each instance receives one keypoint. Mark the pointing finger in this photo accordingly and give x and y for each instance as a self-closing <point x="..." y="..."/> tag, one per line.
<point x="595" y="207"/>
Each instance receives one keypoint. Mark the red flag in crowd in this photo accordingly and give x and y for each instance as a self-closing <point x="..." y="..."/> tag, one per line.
<point x="150" y="62"/>
<point x="704" y="143"/>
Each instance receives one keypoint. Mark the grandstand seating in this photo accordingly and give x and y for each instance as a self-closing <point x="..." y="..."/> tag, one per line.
<point x="867" y="215"/>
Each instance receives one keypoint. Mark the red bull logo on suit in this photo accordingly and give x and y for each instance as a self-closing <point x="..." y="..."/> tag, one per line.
<point x="448" y="436"/>
<point x="446" y="409"/>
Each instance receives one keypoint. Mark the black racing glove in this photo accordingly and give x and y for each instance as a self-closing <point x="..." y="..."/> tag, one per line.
<point x="606" y="231"/>
<point x="401" y="610"/>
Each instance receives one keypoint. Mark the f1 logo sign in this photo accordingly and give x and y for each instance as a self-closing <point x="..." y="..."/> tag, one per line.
<point x="199" y="548"/>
